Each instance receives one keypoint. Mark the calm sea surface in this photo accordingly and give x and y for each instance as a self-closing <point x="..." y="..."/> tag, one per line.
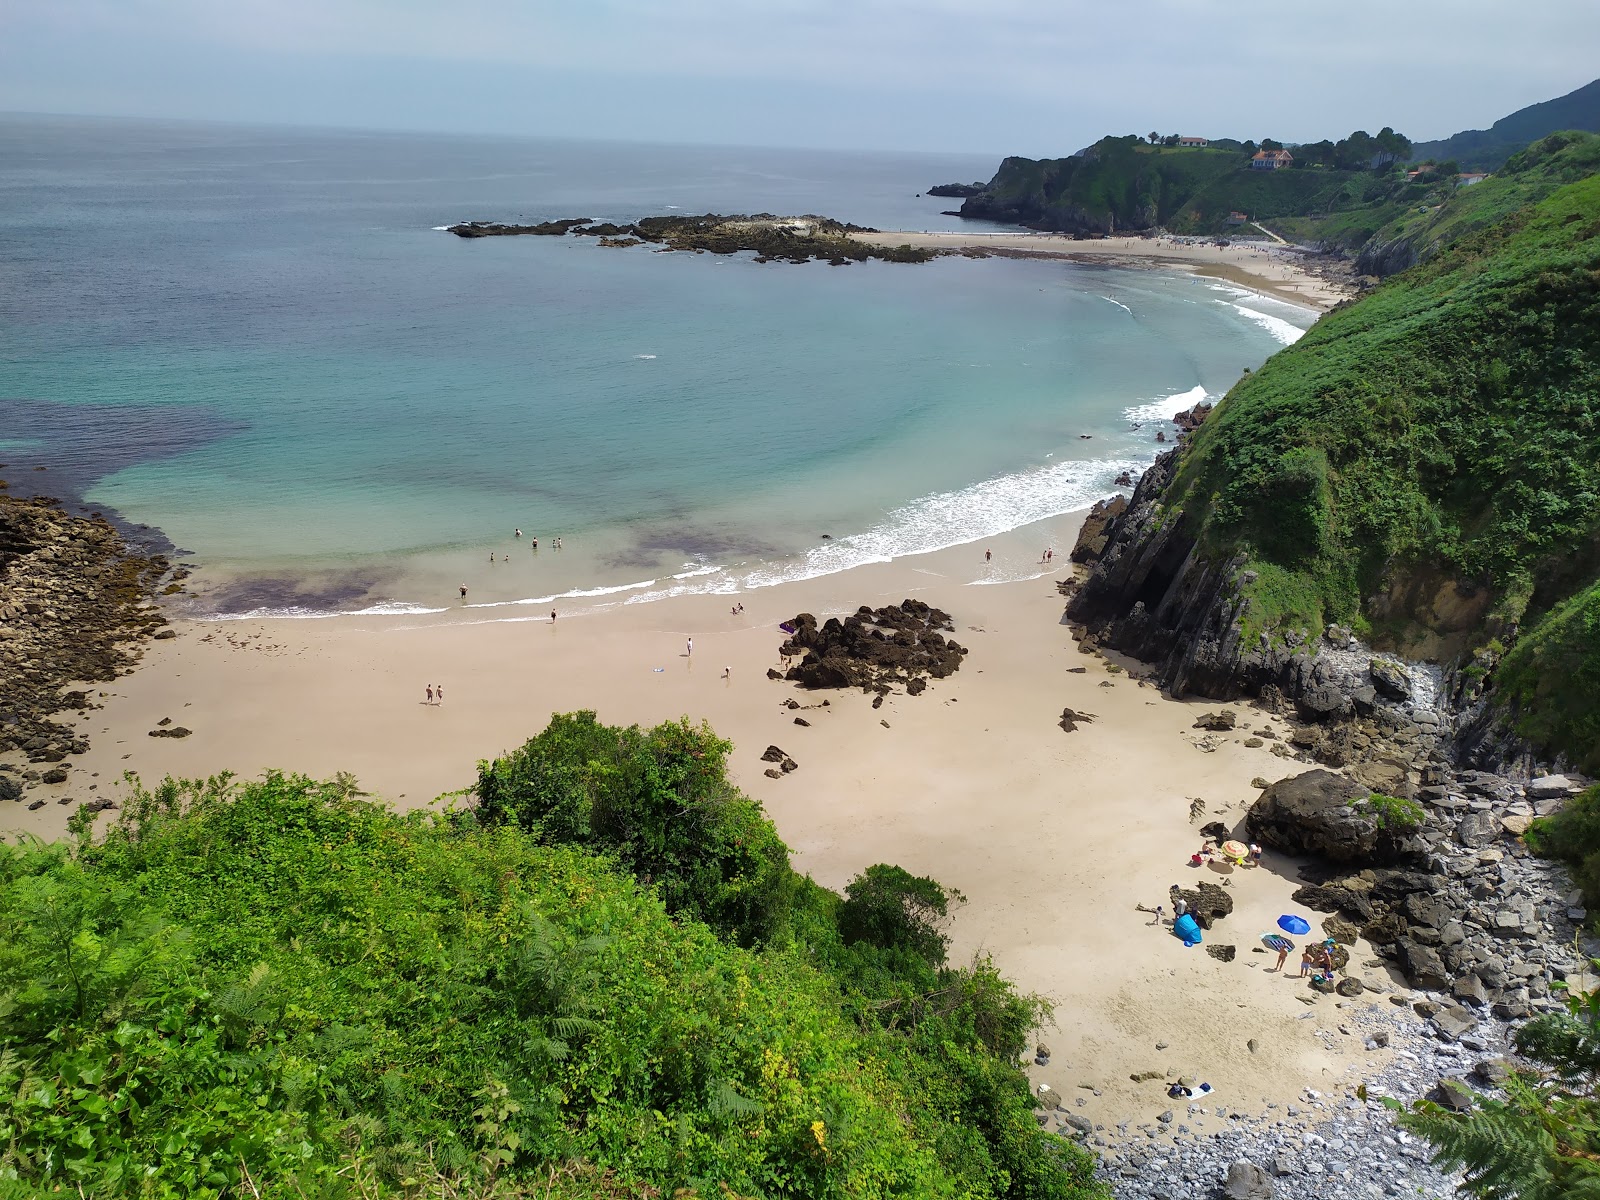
<point x="260" y="342"/>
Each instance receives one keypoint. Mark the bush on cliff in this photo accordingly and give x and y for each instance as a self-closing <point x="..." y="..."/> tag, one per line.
<point x="279" y="988"/>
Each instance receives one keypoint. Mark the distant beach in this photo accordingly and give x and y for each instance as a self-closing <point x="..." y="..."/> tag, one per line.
<point x="1276" y="271"/>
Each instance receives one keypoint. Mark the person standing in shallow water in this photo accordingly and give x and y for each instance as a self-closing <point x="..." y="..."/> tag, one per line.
<point x="463" y="591"/>
<point x="519" y="533"/>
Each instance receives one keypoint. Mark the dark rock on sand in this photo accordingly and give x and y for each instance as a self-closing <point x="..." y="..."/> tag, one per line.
<point x="874" y="649"/>
<point x="1071" y="719"/>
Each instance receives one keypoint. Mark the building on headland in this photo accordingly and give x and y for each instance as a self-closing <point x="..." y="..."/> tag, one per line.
<point x="1194" y="141"/>
<point x="1237" y="218"/>
<point x="1270" y="160"/>
<point x="1466" y="178"/>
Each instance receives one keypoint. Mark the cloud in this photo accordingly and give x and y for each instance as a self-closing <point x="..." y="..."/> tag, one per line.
<point x="1066" y="71"/>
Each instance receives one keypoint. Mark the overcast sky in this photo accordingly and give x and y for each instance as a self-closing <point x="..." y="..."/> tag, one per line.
<point x="1029" y="77"/>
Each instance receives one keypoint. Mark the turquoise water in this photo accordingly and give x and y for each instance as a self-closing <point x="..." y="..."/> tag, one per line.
<point x="259" y="342"/>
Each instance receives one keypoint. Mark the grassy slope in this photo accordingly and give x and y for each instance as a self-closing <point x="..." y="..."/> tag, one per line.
<point x="1448" y="422"/>
<point x="1527" y="176"/>
<point x="1267" y="196"/>
<point x="284" y="979"/>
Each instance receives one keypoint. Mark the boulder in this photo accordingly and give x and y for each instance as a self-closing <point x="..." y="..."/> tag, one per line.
<point x="1492" y="1072"/>
<point x="772" y="754"/>
<point x="1207" y="903"/>
<point x="1548" y="787"/>
<point x="10" y="789"/>
<point x="1453" y="1095"/>
<point x="1390" y="678"/>
<point x="1246" y="1181"/>
<point x="1219" y="722"/>
<point x="1454" y="1021"/>
<point x="1423" y="966"/>
<point x="1323" y="703"/>
<point x="1314" y="813"/>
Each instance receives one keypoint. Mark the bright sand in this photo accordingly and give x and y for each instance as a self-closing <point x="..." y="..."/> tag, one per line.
<point x="1053" y="837"/>
<point x="1271" y="269"/>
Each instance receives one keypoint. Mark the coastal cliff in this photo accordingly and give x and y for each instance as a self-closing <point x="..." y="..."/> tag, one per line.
<point x="1420" y="471"/>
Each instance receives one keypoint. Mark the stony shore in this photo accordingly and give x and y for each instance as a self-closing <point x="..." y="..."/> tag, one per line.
<point x="75" y="605"/>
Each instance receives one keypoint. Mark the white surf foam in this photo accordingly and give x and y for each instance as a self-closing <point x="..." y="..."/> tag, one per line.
<point x="645" y="356"/>
<point x="1119" y="304"/>
<point x="1279" y="328"/>
<point x="574" y="594"/>
<point x="1167" y="407"/>
<point x="296" y="612"/>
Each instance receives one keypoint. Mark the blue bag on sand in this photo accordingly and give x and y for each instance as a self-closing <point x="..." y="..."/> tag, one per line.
<point x="1186" y="928"/>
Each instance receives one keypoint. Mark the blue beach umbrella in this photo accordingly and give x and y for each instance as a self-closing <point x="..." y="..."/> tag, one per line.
<point x="1290" y="923"/>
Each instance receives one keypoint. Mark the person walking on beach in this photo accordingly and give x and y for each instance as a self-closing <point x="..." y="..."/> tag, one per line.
<point x="727" y="673"/>
<point x="430" y="693"/>
<point x="438" y="691"/>
<point x="689" y="653"/>
<point x="988" y="555"/>
<point x="552" y="616"/>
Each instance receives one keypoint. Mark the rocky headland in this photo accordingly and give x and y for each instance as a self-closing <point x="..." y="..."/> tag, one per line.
<point x="771" y="238"/>
<point x="958" y="191"/>
<point x="75" y="604"/>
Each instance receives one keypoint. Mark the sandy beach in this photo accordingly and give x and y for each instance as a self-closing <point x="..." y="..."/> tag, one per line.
<point x="1270" y="269"/>
<point x="1053" y="837"/>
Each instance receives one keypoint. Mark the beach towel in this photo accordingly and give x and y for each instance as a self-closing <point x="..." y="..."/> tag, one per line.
<point x="1186" y="929"/>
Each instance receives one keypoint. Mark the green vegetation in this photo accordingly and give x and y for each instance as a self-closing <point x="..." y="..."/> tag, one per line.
<point x="1427" y="460"/>
<point x="1551" y="680"/>
<point x="1542" y="1141"/>
<point x="1447" y="211"/>
<point x="1486" y="149"/>
<point x="279" y="988"/>
<point x="1394" y="812"/>
<point x="1572" y="836"/>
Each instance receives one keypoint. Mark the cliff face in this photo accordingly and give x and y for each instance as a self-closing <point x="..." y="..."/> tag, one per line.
<point x="1155" y="596"/>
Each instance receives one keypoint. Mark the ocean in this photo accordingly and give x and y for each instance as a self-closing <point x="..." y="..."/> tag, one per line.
<point x="262" y="343"/>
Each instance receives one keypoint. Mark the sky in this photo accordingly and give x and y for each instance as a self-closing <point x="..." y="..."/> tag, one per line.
<point x="1032" y="77"/>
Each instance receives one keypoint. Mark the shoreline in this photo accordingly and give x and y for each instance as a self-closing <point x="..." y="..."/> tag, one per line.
<point x="1271" y="270"/>
<point x="1053" y="872"/>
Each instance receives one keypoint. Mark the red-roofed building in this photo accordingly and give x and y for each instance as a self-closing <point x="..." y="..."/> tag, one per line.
<point x="1194" y="141"/>
<point x="1270" y="160"/>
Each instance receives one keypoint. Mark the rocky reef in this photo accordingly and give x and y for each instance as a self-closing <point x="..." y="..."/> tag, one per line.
<point x="877" y="650"/>
<point x="75" y="602"/>
<point x="480" y="229"/>
<point x="958" y="191"/>
<point x="771" y="238"/>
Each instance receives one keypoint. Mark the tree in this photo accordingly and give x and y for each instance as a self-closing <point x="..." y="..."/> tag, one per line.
<point x="1154" y="137"/>
<point x="892" y="909"/>
<point x="1542" y="1142"/>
